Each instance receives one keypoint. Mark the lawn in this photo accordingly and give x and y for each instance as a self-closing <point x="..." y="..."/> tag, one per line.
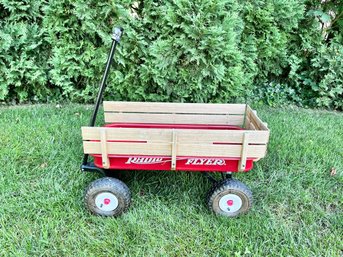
<point x="297" y="194"/>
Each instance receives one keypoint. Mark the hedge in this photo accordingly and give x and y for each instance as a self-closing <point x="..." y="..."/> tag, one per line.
<point x="173" y="50"/>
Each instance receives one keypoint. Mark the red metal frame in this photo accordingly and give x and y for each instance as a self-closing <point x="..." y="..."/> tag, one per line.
<point x="183" y="163"/>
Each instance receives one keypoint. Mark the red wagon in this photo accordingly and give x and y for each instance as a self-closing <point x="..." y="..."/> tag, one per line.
<point x="207" y="138"/>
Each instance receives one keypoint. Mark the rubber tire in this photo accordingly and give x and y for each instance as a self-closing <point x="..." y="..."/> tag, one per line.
<point x="112" y="185"/>
<point x="229" y="186"/>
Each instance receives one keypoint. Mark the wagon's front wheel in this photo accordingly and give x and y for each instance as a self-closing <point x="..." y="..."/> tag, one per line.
<point x="107" y="197"/>
<point x="230" y="198"/>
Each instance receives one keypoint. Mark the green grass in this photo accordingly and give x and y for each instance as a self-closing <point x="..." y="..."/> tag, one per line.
<point x="297" y="209"/>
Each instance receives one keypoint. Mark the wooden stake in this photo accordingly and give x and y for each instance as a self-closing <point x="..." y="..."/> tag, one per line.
<point x="174" y="145"/>
<point x="104" y="151"/>
<point x="243" y="160"/>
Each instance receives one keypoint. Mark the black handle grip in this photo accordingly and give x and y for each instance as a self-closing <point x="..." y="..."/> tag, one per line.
<point x="117" y="32"/>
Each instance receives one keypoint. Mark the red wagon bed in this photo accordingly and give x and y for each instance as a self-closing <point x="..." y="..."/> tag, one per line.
<point x="177" y="136"/>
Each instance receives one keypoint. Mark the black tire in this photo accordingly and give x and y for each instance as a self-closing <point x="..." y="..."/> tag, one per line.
<point x="117" y="191"/>
<point x="228" y="189"/>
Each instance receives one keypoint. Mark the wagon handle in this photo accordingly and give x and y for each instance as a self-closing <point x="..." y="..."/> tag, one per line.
<point x="116" y="35"/>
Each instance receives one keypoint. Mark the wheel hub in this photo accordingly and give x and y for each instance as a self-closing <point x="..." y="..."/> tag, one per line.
<point x="230" y="203"/>
<point x="106" y="201"/>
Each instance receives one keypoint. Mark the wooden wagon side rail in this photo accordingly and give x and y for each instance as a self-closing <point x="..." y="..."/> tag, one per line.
<point x="174" y="113"/>
<point x="175" y="142"/>
<point x="253" y="122"/>
<point x="200" y="136"/>
<point x="157" y="107"/>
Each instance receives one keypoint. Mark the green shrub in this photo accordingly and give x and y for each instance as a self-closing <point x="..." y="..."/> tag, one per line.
<point x="322" y="84"/>
<point x="23" y="54"/>
<point x="188" y="51"/>
<point x="275" y="94"/>
<point x="175" y="50"/>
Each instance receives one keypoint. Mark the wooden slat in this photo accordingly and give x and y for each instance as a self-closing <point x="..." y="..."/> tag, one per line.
<point x="250" y="120"/>
<point x="253" y="123"/>
<point x="221" y="136"/>
<point x="220" y="150"/>
<point x="129" y="148"/>
<point x="130" y="134"/>
<point x="249" y="125"/>
<point x="252" y="115"/>
<point x="236" y="120"/>
<point x="141" y="107"/>
<point x="210" y="150"/>
<point x="200" y="136"/>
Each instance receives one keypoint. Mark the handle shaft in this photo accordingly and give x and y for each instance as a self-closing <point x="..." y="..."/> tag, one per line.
<point x="117" y="32"/>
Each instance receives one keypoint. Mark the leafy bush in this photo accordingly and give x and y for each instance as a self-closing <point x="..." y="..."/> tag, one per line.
<point x="275" y="94"/>
<point x="175" y="50"/>
<point x="190" y="53"/>
<point x="322" y="83"/>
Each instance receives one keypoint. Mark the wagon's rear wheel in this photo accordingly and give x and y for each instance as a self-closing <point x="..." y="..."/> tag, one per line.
<point x="230" y="198"/>
<point x="107" y="197"/>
